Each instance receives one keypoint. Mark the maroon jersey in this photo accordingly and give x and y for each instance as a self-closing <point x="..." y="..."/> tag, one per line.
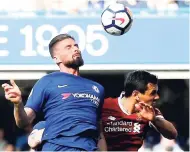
<point x="123" y="131"/>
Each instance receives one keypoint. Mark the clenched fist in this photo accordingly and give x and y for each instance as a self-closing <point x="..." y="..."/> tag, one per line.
<point x="12" y="92"/>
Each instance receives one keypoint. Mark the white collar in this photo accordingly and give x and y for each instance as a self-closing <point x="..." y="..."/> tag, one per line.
<point x="121" y="106"/>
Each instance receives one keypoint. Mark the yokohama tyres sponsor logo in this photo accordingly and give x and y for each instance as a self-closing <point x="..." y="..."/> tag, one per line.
<point x="92" y="97"/>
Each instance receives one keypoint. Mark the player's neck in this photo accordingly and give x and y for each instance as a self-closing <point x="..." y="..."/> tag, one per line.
<point x="128" y="104"/>
<point x="69" y="70"/>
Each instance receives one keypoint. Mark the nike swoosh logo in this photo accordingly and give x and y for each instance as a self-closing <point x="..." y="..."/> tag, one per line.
<point x="61" y="86"/>
<point x="120" y="19"/>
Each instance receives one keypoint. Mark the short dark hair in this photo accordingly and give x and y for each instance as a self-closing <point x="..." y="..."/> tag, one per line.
<point x="56" y="39"/>
<point x="138" y="80"/>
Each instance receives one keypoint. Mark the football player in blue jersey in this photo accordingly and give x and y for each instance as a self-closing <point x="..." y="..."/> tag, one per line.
<point x="71" y="105"/>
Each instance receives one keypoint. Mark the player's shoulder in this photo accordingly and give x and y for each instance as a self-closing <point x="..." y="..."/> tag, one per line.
<point x="58" y="74"/>
<point x="44" y="80"/>
<point x="48" y="77"/>
<point x="94" y="84"/>
<point x="110" y="100"/>
<point x="98" y="85"/>
<point x="53" y="74"/>
<point x="110" y="103"/>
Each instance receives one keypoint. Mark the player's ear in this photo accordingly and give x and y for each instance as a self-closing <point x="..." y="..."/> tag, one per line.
<point x="135" y="94"/>
<point x="137" y="98"/>
<point x="56" y="60"/>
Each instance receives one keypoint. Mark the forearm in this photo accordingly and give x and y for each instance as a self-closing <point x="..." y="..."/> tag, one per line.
<point x="20" y="115"/>
<point x="102" y="146"/>
<point x="165" y="127"/>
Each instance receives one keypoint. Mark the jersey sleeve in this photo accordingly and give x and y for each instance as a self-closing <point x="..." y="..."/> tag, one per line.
<point x="40" y="125"/>
<point x="38" y="95"/>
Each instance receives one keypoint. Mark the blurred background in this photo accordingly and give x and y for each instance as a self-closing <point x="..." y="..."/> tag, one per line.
<point x="158" y="42"/>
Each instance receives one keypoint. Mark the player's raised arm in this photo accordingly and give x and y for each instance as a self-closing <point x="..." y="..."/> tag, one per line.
<point x="165" y="127"/>
<point x="23" y="116"/>
<point x="162" y="125"/>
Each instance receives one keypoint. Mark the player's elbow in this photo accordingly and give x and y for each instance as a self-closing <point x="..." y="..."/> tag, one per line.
<point x="32" y="143"/>
<point x="22" y="125"/>
<point x="172" y="135"/>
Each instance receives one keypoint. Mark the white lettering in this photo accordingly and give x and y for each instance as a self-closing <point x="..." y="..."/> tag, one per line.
<point x="86" y="41"/>
<point x="27" y="31"/>
<point x="80" y="32"/>
<point x="92" y="36"/>
<point x="42" y="47"/>
<point x="117" y="129"/>
<point x="92" y="97"/>
<point x="119" y="123"/>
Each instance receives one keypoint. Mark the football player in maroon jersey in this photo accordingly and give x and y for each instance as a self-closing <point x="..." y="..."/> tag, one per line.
<point x="127" y="119"/>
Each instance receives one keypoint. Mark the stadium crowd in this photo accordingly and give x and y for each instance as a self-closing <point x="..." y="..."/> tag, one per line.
<point x="88" y="7"/>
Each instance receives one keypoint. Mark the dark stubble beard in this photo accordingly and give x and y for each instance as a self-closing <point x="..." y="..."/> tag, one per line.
<point x="75" y="64"/>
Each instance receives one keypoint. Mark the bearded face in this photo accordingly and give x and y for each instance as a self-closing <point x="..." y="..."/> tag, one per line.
<point x="76" y="61"/>
<point x="67" y="52"/>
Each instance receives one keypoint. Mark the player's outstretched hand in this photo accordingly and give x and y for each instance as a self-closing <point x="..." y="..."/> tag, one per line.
<point x="12" y="92"/>
<point x="145" y="111"/>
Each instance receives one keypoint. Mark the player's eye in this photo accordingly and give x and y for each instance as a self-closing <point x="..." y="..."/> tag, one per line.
<point x="68" y="46"/>
<point x="77" y="45"/>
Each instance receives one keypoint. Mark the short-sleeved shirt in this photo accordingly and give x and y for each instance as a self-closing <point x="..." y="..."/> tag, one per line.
<point x="123" y="131"/>
<point x="39" y="125"/>
<point x="71" y="106"/>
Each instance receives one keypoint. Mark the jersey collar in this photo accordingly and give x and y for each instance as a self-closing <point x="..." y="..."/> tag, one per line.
<point x="121" y="106"/>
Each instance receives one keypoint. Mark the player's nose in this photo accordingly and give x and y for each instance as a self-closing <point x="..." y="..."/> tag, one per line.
<point x="76" y="49"/>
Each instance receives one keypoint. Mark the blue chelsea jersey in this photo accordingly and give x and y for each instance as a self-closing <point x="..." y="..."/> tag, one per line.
<point x="70" y="104"/>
